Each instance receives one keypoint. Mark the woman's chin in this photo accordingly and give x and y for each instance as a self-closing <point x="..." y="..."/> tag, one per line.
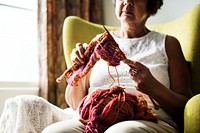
<point x="127" y="18"/>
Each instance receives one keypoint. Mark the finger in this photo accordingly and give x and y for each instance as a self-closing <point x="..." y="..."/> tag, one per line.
<point x="133" y="71"/>
<point x="135" y="75"/>
<point x="136" y="81"/>
<point x="78" y="58"/>
<point x="75" y="57"/>
<point x="78" y="45"/>
<point x="80" y="49"/>
<point x="85" y="45"/>
<point x="133" y="64"/>
<point x="72" y="55"/>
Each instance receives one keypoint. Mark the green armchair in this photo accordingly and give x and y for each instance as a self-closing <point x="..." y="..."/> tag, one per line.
<point x="186" y="29"/>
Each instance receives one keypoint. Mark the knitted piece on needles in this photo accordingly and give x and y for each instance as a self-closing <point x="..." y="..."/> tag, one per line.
<point x="104" y="108"/>
<point x="103" y="47"/>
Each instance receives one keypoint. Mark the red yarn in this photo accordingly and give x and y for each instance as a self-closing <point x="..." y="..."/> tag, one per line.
<point x="104" y="108"/>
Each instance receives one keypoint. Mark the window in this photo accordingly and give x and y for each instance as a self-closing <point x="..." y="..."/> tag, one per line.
<point x="18" y="43"/>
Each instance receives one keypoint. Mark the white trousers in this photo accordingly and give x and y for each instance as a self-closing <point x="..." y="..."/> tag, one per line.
<point x="139" y="126"/>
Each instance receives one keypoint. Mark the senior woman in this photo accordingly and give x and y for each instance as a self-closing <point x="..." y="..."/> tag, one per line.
<point x="162" y="72"/>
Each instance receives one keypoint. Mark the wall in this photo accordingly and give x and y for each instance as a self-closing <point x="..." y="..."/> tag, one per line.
<point x="171" y="10"/>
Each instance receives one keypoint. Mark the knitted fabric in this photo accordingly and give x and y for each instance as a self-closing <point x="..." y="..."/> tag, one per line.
<point x="103" y="47"/>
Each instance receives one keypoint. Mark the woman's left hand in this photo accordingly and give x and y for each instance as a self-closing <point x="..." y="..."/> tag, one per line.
<point x="144" y="80"/>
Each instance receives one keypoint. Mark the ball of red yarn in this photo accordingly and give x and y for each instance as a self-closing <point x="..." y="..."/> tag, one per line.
<point x="104" y="108"/>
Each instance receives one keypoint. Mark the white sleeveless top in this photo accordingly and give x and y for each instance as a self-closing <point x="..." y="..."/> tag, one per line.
<point x="148" y="50"/>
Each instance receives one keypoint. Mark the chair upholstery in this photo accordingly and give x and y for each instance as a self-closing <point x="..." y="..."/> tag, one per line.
<point x="186" y="29"/>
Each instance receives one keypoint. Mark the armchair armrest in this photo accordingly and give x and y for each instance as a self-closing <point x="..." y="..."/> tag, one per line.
<point x="192" y="115"/>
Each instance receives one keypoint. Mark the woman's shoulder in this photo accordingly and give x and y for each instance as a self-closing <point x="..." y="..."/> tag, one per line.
<point x="172" y="42"/>
<point x="173" y="46"/>
<point x="172" y="39"/>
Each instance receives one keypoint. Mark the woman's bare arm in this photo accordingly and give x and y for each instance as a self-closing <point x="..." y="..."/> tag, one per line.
<point x="74" y="94"/>
<point x="173" y="100"/>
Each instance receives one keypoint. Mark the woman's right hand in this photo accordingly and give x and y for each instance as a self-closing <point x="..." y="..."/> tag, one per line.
<point x="77" y="55"/>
